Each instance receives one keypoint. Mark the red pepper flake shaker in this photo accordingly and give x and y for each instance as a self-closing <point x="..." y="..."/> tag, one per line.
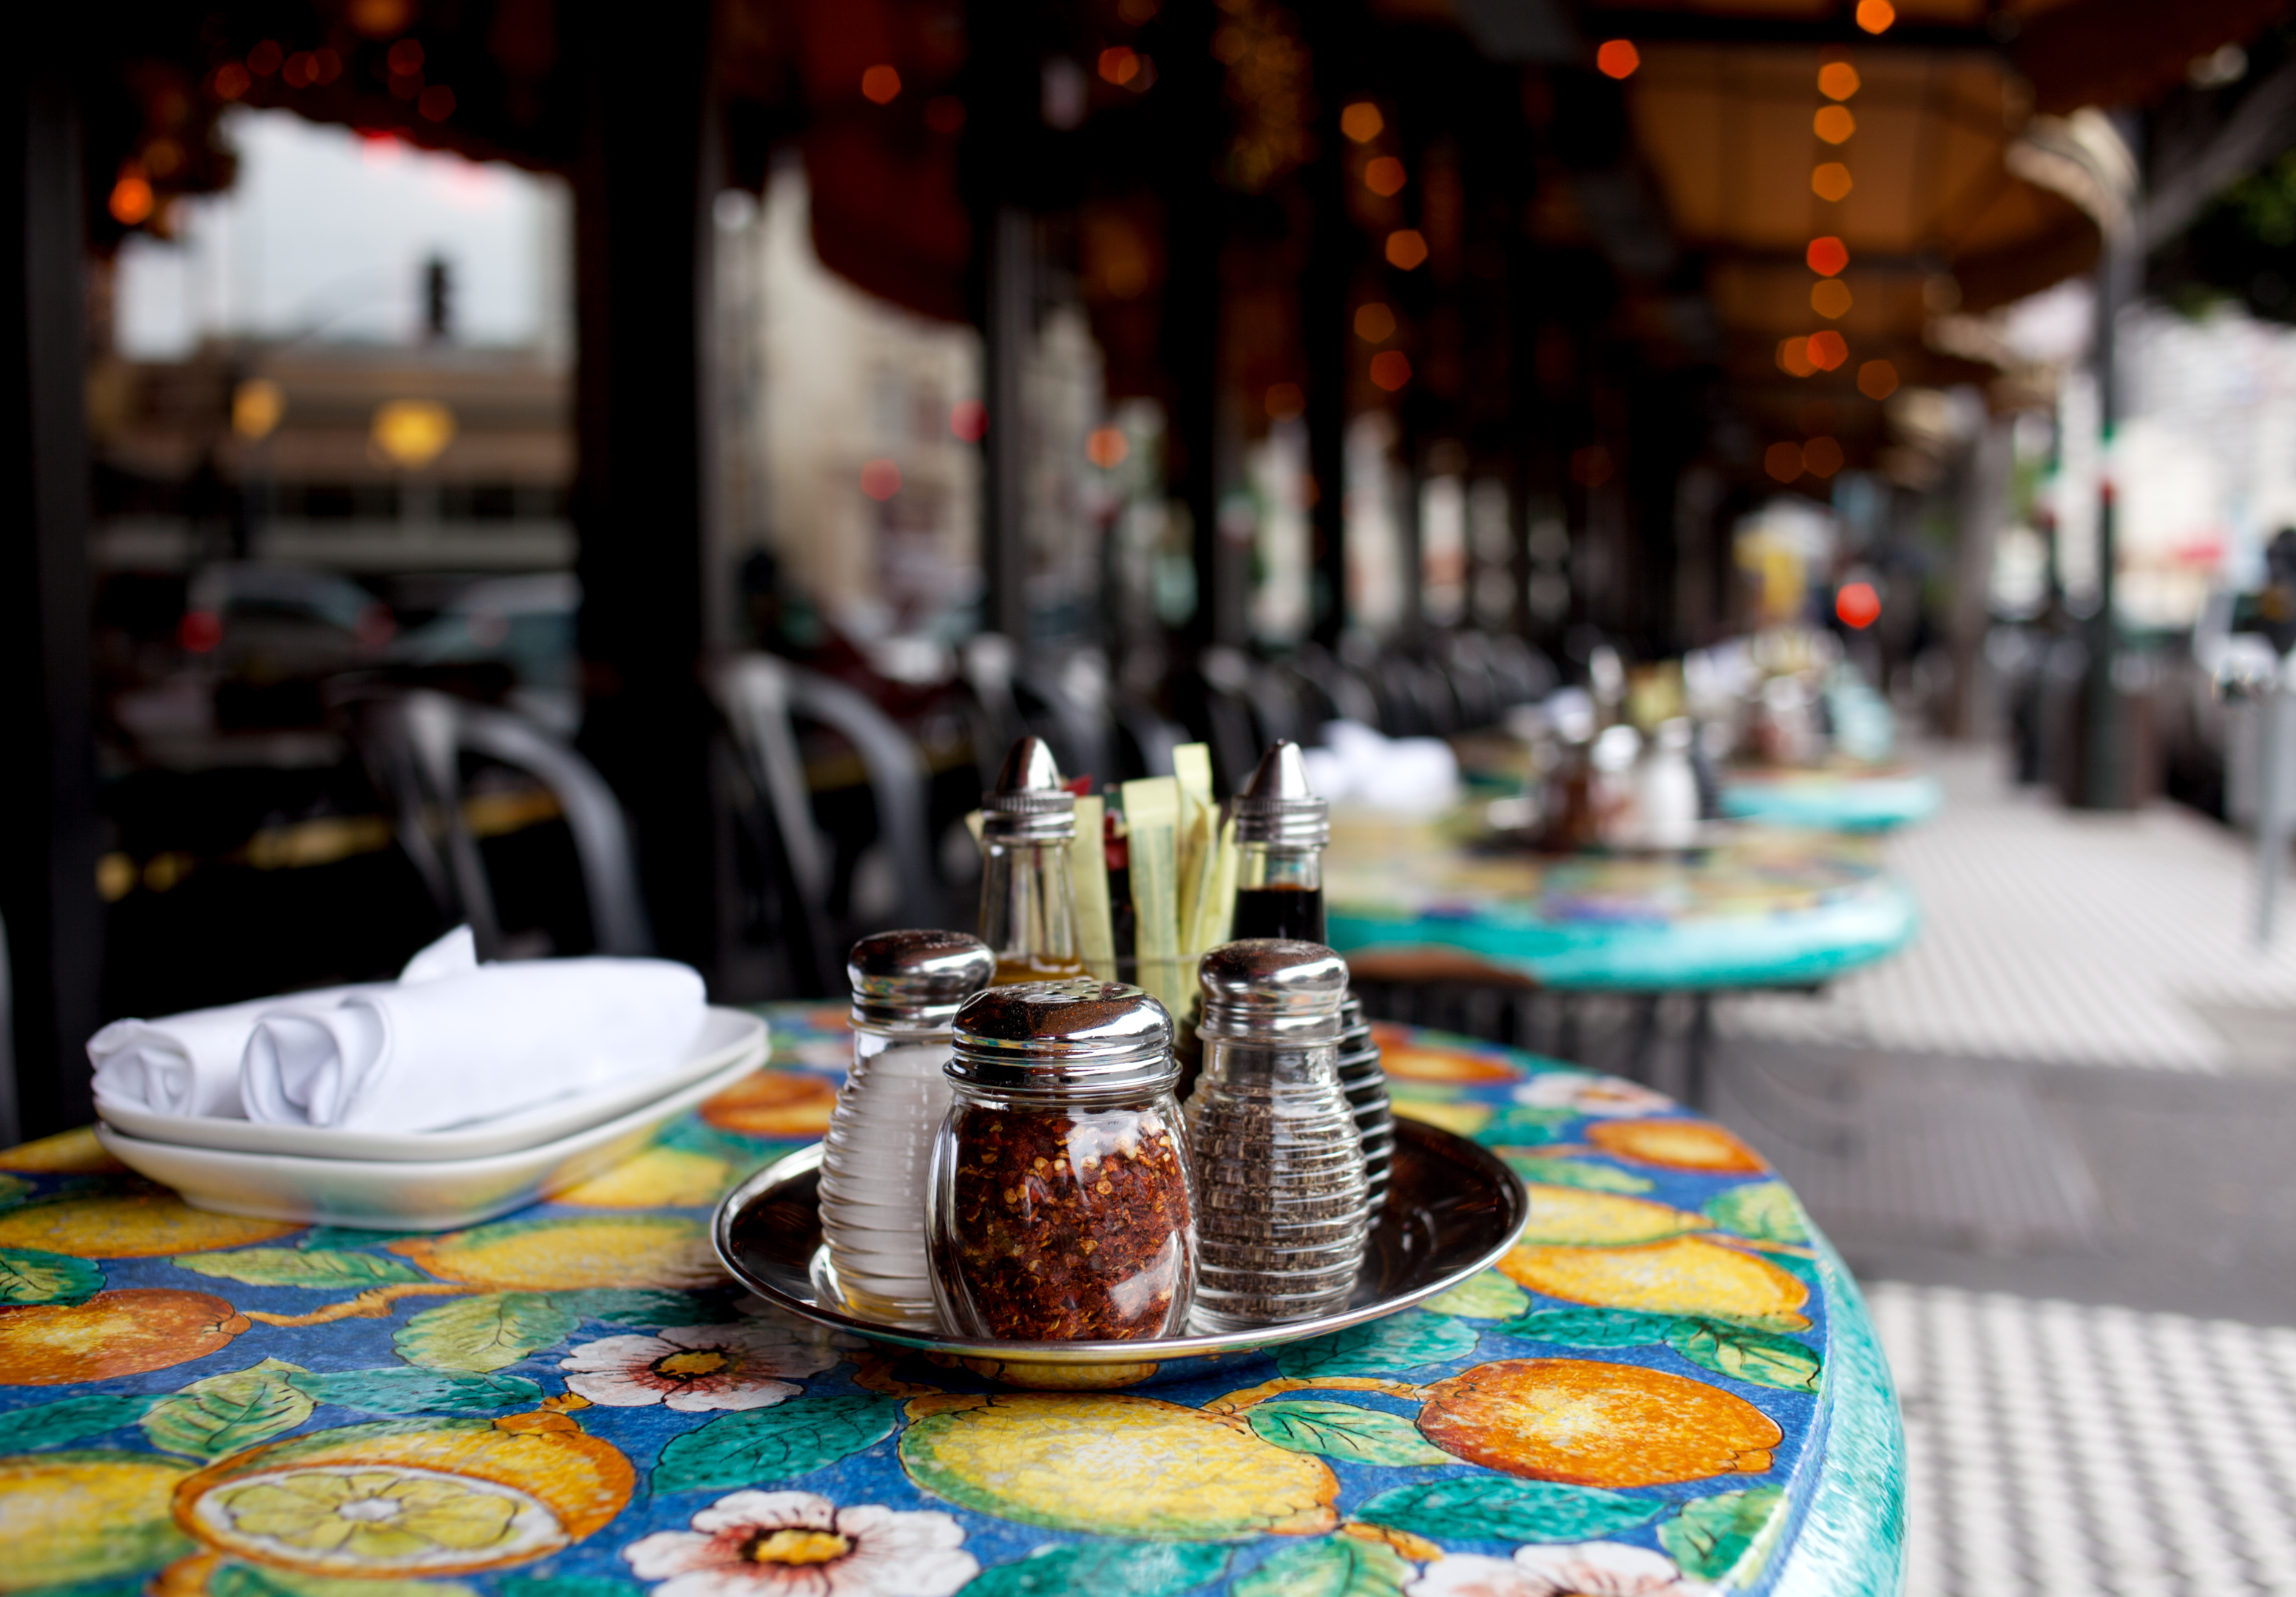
<point x="1061" y="1202"/>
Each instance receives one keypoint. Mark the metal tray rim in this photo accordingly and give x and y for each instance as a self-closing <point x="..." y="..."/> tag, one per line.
<point x="1443" y="1143"/>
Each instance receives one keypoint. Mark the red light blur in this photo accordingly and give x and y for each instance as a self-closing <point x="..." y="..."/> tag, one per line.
<point x="1119" y="64"/>
<point x="232" y="80"/>
<point x="1618" y="58"/>
<point x="880" y="478"/>
<point x="437" y="102"/>
<point x="1827" y="256"/>
<point x="263" y="61"/>
<point x="968" y="419"/>
<point x="880" y="84"/>
<point x="406" y="56"/>
<point x="1782" y="460"/>
<point x="302" y="68"/>
<point x="1858" y="604"/>
<point x="200" y="630"/>
<point x="131" y="199"/>
<point x="1406" y="249"/>
<point x="1828" y="349"/>
<point x="1107" y="446"/>
<point x="1390" y="369"/>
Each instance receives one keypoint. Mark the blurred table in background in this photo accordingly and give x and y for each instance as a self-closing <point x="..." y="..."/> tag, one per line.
<point x="1840" y="799"/>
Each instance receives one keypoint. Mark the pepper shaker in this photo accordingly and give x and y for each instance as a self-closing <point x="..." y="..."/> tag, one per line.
<point x="1282" y="828"/>
<point x="1061" y="1206"/>
<point x="1281" y="1215"/>
<point x="876" y="1159"/>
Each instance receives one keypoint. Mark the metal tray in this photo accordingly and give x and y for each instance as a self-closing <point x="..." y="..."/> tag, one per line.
<point x="1452" y="1209"/>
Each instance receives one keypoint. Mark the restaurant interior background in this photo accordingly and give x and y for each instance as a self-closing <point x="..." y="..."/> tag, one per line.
<point x="1140" y="372"/>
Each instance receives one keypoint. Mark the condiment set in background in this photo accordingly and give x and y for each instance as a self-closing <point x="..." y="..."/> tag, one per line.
<point x="1010" y="1157"/>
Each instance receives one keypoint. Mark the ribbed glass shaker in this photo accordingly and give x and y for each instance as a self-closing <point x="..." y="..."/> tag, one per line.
<point x="1363" y="1081"/>
<point x="1281" y="1217"/>
<point x="876" y="1163"/>
<point x="1027" y="908"/>
<point x="1062" y="1199"/>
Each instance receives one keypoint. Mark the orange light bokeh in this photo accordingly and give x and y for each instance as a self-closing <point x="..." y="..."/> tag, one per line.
<point x="1877" y="380"/>
<point x="1793" y="357"/>
<point x="1618" y="58"/>
<point x="1375" y="323"/>
<point x="1874" y="16"/>
<point x="1782" y="460"/>
<point x="880" y="84"/>
<point x="1828" y="349"/>
<point x="232" y="80"/>
<point x="880" y="479"/>
<point x="1390" y="369"/>
<point x="1286" y="402"/>
<point x="131" y="199"/>
<point x="1830" y="181"/>
<point x="1833" y="124"/>
<point x="1119" y="64"/>
<point x="1384" y="176"/>
<point x="1820" y="456"/>
<point x="1837" y="80"/>
<point x="1858" y="605"/>
<point x="1826" y="256"/>
<point x="1829" y="297"/>
<point x="1362" y="121"/>
<point x="1107" y="447"/>
<point x="1406" y="250"/>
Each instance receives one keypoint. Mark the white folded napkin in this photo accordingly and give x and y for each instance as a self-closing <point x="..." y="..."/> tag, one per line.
<point x="471" y="1047"/>
<point x="188" y="1064"/>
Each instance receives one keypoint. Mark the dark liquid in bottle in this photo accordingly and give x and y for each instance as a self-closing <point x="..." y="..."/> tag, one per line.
<point x="1279" y="911"/>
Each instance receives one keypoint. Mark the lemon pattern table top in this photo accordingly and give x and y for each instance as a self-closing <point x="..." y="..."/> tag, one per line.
<point x="1669" y="1389"/>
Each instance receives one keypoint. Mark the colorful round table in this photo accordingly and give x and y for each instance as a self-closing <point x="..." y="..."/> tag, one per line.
<point x="1669" y="1388"/>
<point x="1769" y="908"/>
<point x="1838" y="798"/>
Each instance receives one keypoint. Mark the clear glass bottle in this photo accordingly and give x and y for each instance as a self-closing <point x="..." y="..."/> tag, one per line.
<point x="876" y="1162"/>
<point x="1281" y="1215"/>
<point x="1282" y="828"/>
<point x="1028" y="906"/>
<point x="1062" y="1203"/>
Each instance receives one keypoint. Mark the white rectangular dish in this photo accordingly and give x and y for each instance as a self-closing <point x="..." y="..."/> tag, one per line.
<point x="727" y="1034"/>
<point x="400" y="1195"/>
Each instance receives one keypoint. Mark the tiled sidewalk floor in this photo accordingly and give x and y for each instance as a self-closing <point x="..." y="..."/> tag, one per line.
<point x="2061" y="937"/>
<point x="2058" y="1449"/>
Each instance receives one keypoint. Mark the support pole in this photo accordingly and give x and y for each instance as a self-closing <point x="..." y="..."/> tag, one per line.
<point x="2106" y="780"/>
<point x="53" y="919"/>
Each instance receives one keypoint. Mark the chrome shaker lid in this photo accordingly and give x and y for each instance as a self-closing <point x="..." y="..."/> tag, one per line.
<point x="915" y="980"/>
<point x="1274" y="988"/>
<point x="1278" y="805"/>
<point x="1029" y="804"/>
<point x="1058" y="1035"/>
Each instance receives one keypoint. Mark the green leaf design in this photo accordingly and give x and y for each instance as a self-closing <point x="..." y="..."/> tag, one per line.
<point x="69" y="1421"/>
<point x="13" y="1191"/>
<point x="1328" y="1566"/>
<point x="1116" y="1568"/>
<point x="1497" y="1508"/>
<point x="567" y="1586"/>
<point x="485" y="1333"/>
<point x="1520" y="1125"/>
<point x="400" y="1391"/>
<point x="1362" y="1436"/>
<point x="351" y="1236"/>
<point x="1575" y="1172"/>
<point x="780" y="1442"/>
<point x="319" y="1267"/>
<point x="1761" y="1356"/>
<point x="642" y="1307"/>
<point x="1399" y="1342"/>
<point x="226" y="1413"/>
<point x="27" y="1275"/>
<point x="1712" y="1534"/>
<point x="1489" y="1296"/>
<point x="1765" y="1210"/>
<point x="1591" y="1327"/>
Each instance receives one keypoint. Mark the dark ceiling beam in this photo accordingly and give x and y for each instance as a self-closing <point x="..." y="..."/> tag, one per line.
<point x="1705" y="28"/>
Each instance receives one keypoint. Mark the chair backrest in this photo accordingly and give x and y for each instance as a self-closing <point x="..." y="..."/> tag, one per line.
<point x="412" y="742"/>
<point x="762" y="697"/>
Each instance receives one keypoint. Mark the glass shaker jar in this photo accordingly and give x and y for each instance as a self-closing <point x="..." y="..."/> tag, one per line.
<point x="1281" y="1215"/>
<point x="1282" y="828"/>
<point x="1027" y="909"/>
<point x="876" y="1160"/>
<point x="1062" y="1198"/>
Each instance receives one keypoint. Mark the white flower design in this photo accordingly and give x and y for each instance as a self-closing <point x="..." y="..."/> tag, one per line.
<point x="694" y="1367"/>
<point x="1588" y="1569"/>
<point x="769" y="1543"/>
<point x="1583" y="1093"/>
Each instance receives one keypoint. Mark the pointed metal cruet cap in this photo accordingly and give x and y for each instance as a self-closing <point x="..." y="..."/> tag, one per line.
<point x="1279" y="804"/>
<point x="1029" y="800"/>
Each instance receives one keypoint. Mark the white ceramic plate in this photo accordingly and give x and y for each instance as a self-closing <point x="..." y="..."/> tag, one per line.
<point x="727" y="1035"/>
<point x="397" y="1195"/>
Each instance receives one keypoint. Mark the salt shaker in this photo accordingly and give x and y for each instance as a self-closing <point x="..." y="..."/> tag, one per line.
<point x="1282" y="828"/>
<point x="1281" y="1215"/>
<point x="1061" y="1206"/>
<point x="876" y="1159"/>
